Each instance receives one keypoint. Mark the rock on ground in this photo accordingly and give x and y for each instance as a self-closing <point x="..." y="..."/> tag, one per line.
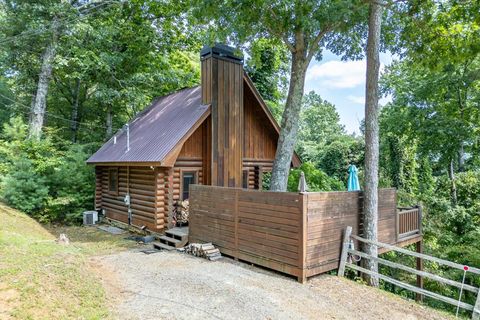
<point x="172" y="285"/>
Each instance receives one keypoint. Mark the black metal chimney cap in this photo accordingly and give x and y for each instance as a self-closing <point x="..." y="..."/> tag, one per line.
<point x="221" y="50"/>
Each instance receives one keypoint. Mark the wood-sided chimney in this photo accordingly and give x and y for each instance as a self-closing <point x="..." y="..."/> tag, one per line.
<point x="222" y="88"/>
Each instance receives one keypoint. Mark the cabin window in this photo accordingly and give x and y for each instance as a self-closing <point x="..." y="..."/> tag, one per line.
<point x="245" y="179"/>
<point x="188" y="178"/>
<point x="113" y="180"/>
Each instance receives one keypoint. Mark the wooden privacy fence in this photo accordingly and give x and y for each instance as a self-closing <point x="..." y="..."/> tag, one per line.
<point x="348" y="250"/>
<point x="298" y="234"/>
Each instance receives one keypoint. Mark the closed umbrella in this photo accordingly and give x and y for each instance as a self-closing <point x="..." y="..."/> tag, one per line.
<point x="302" y="183"/>
<point x="353" y="184"/>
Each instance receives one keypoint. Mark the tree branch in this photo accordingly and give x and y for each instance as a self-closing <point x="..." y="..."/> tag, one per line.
<point x="316" y="42"/>
<point x="279" y="34"/>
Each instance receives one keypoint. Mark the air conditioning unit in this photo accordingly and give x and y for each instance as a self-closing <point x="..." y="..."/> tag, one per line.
<point x="90" y="217"/>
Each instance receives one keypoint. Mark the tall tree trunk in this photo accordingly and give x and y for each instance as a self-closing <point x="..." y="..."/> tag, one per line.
<point x="109" y="131"/>
<point x="75" y="110"/>
<point x="451" y="175"/>
<point x="290" y="123"/>
<point x="39" y="104"/>
<point x="461" y="158"/>
<point x="372" y="138"/>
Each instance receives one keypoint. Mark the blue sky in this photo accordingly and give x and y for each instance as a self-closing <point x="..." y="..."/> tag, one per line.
<point x="343" y="84"/>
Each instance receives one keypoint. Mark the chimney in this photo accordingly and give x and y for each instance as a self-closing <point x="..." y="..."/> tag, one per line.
<point x="222" y="88"/>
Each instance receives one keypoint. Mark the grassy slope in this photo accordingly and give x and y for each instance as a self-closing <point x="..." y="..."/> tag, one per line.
<point x="40" y="279"/>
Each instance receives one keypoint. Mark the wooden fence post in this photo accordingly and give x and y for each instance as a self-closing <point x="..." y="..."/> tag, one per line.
<point x="302" y="256"/>
<point x="235" y="213"/>
<point x="476" y="308"/>
<point x="344" y="255"/>
<point x="419" y="246"/>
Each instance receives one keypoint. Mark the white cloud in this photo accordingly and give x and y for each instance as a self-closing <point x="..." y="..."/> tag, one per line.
<point x="356" y="99"/>
<point x="338" y="74"/>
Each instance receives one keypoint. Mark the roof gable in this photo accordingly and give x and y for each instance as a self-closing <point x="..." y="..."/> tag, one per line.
<point x="296" y="161"/>
<point x="158" y="133"/>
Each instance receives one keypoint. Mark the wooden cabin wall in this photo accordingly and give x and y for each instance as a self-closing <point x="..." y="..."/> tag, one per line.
<point x="260" y="141"/>
<point x="140" y="183"/>
<point x="98" y="188"/>
<point x="169" y="180"/>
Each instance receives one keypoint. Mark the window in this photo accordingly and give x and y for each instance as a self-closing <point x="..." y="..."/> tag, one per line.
<point x="245" y="179"/>
<point x="188" y="178"/>
<point x="113" y="180"/>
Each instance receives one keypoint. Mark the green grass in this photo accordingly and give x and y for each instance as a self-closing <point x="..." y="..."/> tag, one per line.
<point x="41" y="279"/>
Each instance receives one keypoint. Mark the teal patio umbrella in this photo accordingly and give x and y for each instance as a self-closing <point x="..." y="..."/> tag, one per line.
<point x="353" y="184"/>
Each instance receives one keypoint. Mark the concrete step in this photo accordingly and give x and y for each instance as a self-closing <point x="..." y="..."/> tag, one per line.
<point x="162" y="246"/>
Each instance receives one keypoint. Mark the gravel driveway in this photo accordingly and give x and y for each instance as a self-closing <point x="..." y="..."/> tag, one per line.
<point x="172" y="285"/>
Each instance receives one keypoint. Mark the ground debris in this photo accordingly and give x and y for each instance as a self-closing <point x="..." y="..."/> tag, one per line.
<point x="63" y="239"/>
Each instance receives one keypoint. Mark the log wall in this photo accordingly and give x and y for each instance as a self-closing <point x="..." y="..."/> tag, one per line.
<point x="140" y="183"/>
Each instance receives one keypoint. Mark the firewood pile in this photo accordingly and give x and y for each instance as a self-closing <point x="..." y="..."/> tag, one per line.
<point x="203" y="250"/>
<point x="180" y="212"/>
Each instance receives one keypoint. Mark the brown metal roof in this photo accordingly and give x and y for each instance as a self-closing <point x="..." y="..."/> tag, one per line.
<point x="157" y="130"/>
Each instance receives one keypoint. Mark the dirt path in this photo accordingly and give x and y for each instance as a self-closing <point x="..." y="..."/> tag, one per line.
<point x="171" y="285"/>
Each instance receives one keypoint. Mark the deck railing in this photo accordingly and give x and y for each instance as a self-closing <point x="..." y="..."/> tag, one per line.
<point x="409" y="222"/>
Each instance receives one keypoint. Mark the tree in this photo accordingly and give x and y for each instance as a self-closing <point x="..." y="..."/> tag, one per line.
<point x="319" y="125"/>
<point x="370" y="207"/>
<point x="304" y="28"/>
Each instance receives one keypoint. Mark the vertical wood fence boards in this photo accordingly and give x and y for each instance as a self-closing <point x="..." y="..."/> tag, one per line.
<point x="409" y="222"/>
<point x="298" y="234"/>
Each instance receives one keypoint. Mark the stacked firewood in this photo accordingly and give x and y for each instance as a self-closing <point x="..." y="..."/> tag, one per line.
<point x="180" y="212"/>
<point x="203" y="250"/>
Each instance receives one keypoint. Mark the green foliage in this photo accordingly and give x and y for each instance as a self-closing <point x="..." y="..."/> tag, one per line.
<point x="46" y="180"/>
<point x="267" y="67"/>
<point x="317" y="180"/>
<point x="319" y="125"/>
<point x="23" y="188"/>
<point x="339" y="154"/>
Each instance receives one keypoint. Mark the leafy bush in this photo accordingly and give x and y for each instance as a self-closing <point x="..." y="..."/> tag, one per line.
<point x="24" y="189"/>
<point x="317" y="180"/>
<point x="339" y="154"/>
<point x="46" y="179"/>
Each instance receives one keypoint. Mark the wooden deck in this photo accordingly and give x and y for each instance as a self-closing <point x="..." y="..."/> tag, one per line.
<point x="298" y="234"/>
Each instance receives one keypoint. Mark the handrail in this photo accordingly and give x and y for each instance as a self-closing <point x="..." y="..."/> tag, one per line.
<point x="409" y="222"/>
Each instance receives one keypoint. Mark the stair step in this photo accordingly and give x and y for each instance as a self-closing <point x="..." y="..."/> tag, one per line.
<point x="162" y="246"/>
<point x="171" y="241"/>
<point x="178" y="233"/>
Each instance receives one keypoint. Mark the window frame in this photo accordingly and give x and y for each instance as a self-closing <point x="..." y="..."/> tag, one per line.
<point x="195" y="180"/>
<point x="115" y="172"/>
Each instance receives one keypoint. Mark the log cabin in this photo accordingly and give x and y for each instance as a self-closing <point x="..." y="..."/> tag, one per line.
<point x="219" y="133"/>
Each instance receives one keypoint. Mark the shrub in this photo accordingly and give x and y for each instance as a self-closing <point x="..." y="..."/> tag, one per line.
<point x="24" y="189"/>
<point x="46" y="179"/>
<point x="317" y="180"/>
